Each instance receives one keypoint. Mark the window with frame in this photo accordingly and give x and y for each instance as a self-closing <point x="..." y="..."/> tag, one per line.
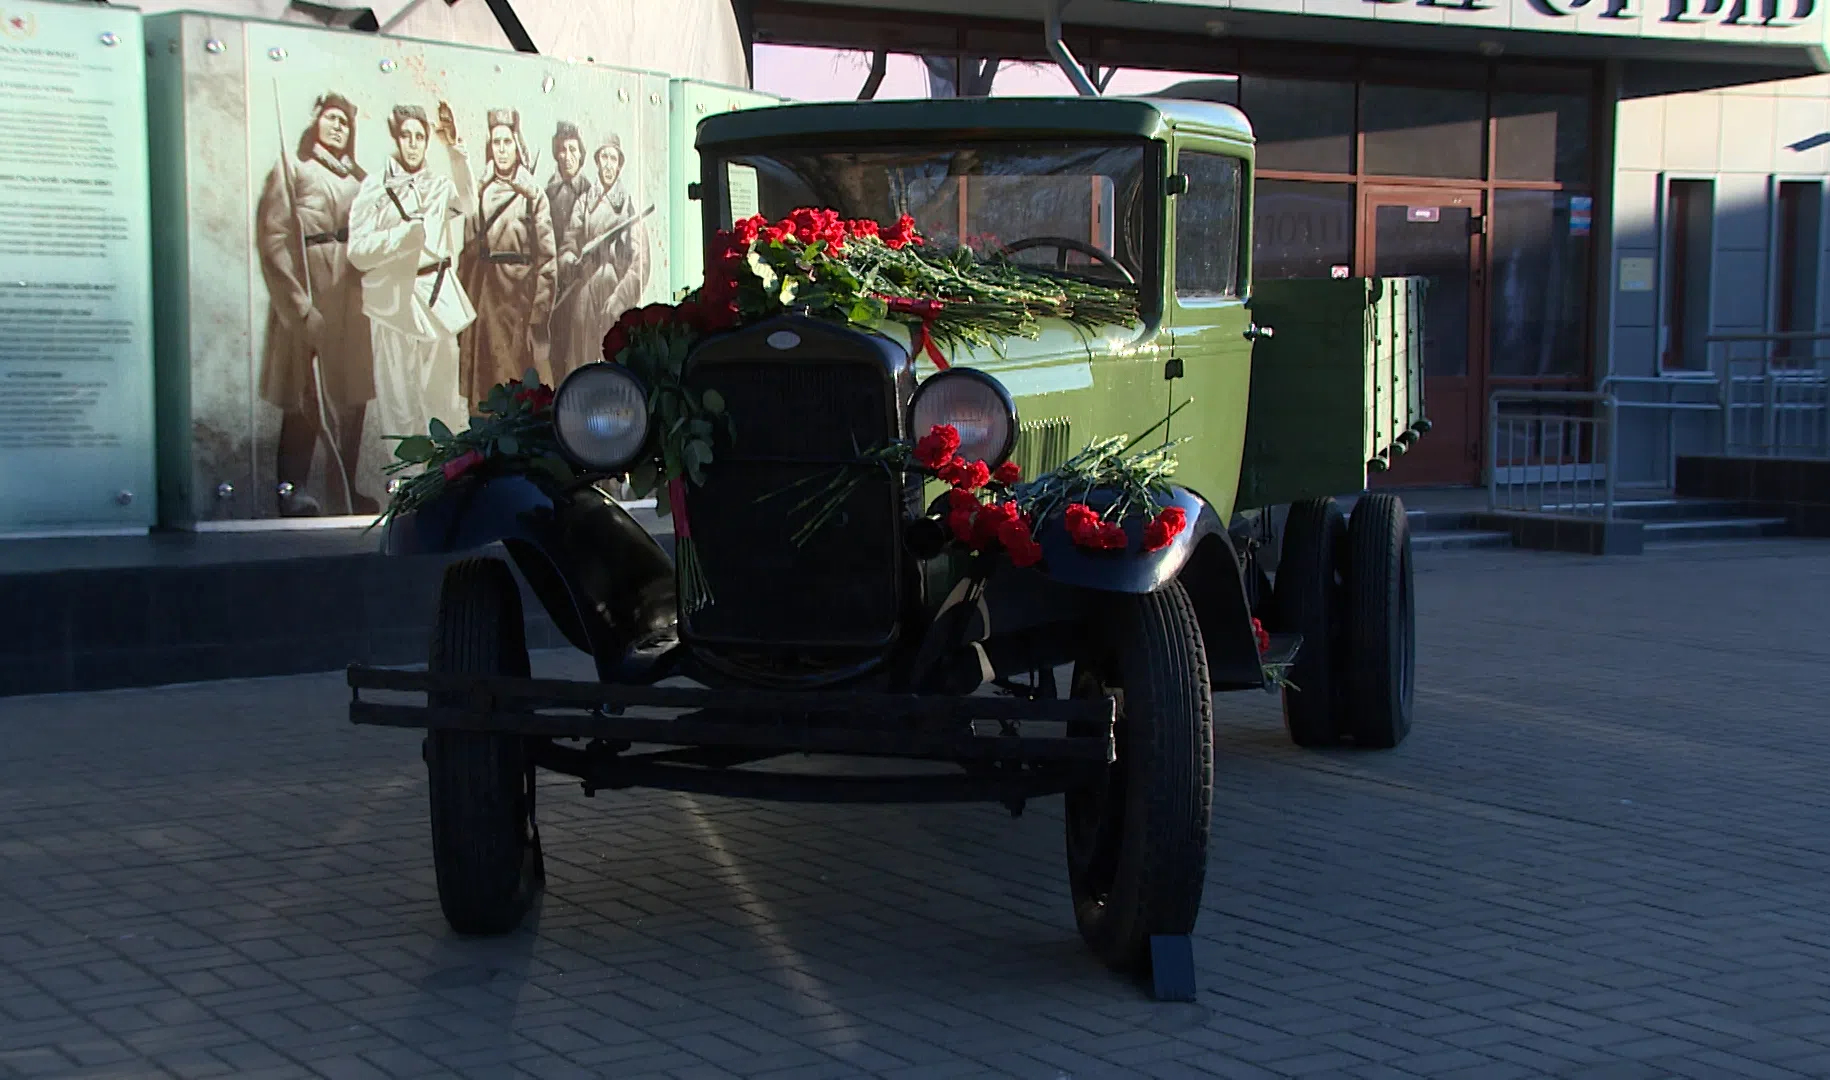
<point x="1207" y="226"/>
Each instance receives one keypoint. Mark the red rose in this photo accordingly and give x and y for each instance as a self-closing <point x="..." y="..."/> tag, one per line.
<point x="657" y="315"/>
<point x="689" y="314"/>
<point x="1010" y="474"/>
<point x="936" y="448"/>
<point x="615" y="342"/>
<point x="536" y="398"/>
<point x="461" y="464"/>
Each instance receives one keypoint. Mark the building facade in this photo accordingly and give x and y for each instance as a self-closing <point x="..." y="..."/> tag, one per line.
<point x="1594" y="190"/>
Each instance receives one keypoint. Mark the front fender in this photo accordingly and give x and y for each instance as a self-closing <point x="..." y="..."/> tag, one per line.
<point x="602" y="578"/>
<point x="1132" y="570"/>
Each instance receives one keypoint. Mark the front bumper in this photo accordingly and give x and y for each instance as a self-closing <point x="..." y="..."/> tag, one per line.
<point x="1010" y="748"/>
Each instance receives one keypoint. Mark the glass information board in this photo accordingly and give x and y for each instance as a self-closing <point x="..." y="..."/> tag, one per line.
<point x="76" y="381"/>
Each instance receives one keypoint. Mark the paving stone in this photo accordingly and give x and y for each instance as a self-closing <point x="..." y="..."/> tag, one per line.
<point x="1599" y="854"/>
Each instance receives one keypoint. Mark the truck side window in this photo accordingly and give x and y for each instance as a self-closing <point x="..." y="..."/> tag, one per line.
<point x="1207" y="227"/>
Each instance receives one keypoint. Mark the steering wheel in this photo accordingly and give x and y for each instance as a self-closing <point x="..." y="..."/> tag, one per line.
<point x="1065" y="244"/>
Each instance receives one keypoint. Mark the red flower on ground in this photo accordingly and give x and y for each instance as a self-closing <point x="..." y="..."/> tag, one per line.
<point x="902" y="234"/>
<point x="970" y="475"/>
<point x="1261" y="636"/>
<point x="1010" y="474"/>
<point x="936" y="448"/>
<point x="461" y="464"/>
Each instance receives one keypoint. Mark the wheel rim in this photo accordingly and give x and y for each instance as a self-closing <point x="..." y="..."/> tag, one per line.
<point x="1094" y="813"/>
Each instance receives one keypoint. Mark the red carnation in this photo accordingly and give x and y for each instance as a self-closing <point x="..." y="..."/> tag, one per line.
<point x="1167" y="526"/>
<point x="936" y="448"/>
<point x="775" y="234"/>
<point x="964" y="474"/>
<point x="1022" y="548"/>
<point x="1082" y="525"/>
<point x="749" y="228"/>
<point x="962" y="500"/>
<point x="992" y="519"/>
<point x="461" y="464"/>
<point x="1010" y="474"/>
<point x="960" y="522"/>
<point x="1111" y="536"/>
<point x="902" y="234"/>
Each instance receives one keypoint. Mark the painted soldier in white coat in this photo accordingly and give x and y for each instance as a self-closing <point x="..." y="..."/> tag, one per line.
<point x="316" y="365"/>
<point x="606" y="254"/>
<point x="508" y="268"/>
<point x="405" y="229"/>
<point x="568" y="185"/>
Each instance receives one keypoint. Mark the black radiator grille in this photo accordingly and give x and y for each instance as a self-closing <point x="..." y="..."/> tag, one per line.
<point x="796" y="421"/>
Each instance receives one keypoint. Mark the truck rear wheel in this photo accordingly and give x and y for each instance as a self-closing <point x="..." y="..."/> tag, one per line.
<point x="1381" y="623"/>
<point x="484" y="850"/>
<point x="1306" y="599"/>
<point x="1137" y="839"/>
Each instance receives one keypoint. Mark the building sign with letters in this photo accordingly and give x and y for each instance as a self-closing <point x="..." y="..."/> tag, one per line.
<point x="1751" y="22"/>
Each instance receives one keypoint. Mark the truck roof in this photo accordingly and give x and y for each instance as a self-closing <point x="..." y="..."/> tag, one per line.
<point x="968" y="118"/>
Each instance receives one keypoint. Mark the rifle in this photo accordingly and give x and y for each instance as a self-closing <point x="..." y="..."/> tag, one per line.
<point x="596" y="244"/>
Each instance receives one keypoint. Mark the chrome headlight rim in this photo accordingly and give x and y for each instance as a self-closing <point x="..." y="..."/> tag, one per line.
<point x="1000" y="393"/>
<point x="579" y="377"/>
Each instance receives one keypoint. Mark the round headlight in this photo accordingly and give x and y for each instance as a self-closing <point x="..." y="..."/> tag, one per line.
<point x="600" y="416"/>
<point x="974" y="403"/>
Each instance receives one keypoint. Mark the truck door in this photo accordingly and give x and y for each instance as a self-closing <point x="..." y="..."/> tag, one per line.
<point x="1208" y="256"/>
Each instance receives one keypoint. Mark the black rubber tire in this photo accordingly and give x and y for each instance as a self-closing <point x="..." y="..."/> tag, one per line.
<point x="1137" y="841"/>
<point x="484" y="849"/>
<point x="1307" y="599"/>
<point x="1381" y="623"/>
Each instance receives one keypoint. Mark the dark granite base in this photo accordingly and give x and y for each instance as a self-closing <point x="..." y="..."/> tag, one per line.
<point x="1797" y="489"/>
<point x="119" y="626"/>
<point x="1562" y="532"/>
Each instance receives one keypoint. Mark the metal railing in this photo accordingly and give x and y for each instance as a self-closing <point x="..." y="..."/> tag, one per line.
<point x="1552" y="451"/>
<point x="1774" y="406"/>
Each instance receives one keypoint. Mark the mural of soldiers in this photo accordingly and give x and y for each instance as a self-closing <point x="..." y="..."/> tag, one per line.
<point x="317" y="335"/>
<point x="568" y="185"/>
<point x="508" y="268"/>
<point x="606" y="255"/>
<point x="404" y="229"/>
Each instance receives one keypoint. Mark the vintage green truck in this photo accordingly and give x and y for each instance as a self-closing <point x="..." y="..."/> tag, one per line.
<point x="1089" y="674"/>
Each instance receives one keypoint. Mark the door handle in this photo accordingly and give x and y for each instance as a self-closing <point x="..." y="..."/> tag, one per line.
<point x="1254" y="332"/>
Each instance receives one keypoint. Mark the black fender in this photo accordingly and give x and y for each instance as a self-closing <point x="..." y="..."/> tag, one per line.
<point x="601" y="577"/>
<point x="1202" y="558"/>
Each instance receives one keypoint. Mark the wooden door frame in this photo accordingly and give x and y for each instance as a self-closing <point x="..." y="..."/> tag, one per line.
<point x="1476" y="197"/>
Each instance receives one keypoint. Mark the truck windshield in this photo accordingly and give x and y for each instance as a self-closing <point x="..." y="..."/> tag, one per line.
<point x="1071" y="208"/>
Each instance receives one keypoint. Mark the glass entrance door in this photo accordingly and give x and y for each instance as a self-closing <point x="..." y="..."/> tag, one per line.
<point x="1437" y="234"/>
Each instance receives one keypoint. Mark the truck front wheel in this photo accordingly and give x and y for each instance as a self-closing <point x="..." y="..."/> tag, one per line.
<point x="1137" y="839"/>
<point x="484" y="849"/>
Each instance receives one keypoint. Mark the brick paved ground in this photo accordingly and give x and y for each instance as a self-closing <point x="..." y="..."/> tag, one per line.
<point x="1603" y="853"/>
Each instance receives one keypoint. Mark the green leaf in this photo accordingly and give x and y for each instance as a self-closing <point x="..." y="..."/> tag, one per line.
<point x="439" y="431"/>
<point x="415" y="448"/>
<point x="508" y="445"/>
<point x="530" y="379"/>
<point x="701" y="429"/>
<point x="761" y="268"/>
<point x="643" y="479"/>
<point x="789" y="285"/>
<point x="714" y="403"/>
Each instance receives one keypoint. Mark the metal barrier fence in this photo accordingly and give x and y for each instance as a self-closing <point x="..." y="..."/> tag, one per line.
<point x="1764" y="405"/>
<point x="1772" y="405"/>
<point x="1552" y="451"/>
